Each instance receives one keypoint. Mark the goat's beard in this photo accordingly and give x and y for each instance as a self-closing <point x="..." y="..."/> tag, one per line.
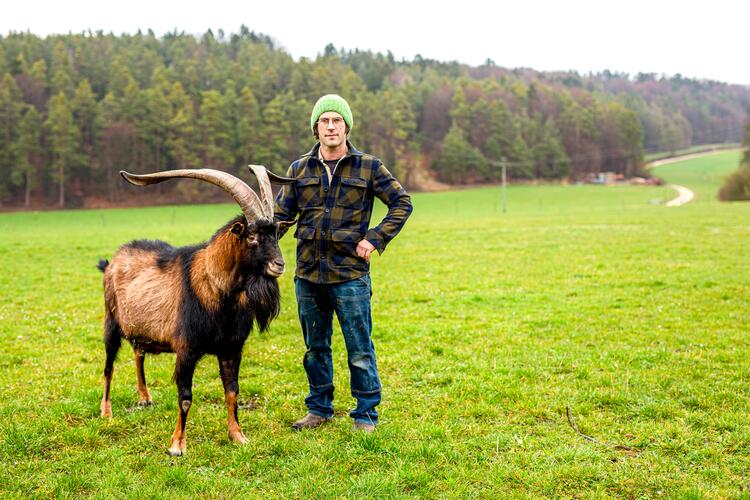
<point x="263" y="299"/>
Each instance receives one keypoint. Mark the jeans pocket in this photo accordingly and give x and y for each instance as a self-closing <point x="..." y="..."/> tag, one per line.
<point x="366" y="281"/>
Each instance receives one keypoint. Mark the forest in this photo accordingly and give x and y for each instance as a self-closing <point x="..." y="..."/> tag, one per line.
<point x="77" y="108"/>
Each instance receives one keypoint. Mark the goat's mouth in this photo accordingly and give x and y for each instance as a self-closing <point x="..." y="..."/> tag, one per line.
<point x="275" y="269"/>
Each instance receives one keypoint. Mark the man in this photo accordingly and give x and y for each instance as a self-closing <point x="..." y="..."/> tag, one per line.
<point x="333" y="195"/>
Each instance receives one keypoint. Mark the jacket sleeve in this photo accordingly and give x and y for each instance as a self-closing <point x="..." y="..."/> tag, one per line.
<point x="286" y="208"/>
<point x="398" y="201"/>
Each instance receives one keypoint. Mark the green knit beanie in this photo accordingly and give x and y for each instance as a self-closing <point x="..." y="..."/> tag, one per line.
<point x="331" y="102"/>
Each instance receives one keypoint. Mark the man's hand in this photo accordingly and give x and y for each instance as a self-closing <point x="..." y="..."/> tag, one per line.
<point x="364" y="249"/>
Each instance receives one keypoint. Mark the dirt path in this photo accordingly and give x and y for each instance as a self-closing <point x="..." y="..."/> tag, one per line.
<point x="684" y="195"/>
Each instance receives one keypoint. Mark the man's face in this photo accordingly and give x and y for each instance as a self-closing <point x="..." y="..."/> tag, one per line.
<point x="331" y="129"/>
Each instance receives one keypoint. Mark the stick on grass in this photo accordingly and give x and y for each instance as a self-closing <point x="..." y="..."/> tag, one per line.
<point x="573" y="424"/>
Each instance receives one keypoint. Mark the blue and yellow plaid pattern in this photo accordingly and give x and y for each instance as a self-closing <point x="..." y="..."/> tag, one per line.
<point x="335" y="216"/>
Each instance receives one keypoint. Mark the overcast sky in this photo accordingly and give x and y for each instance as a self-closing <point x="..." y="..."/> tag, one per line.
<point x="696" y="38"/>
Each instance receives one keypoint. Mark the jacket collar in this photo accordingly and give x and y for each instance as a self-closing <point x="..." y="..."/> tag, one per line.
<point x="351" y="151"/>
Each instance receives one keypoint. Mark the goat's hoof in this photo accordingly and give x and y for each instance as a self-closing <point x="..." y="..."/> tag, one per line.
<point x="144" y="403"/>
<point x="177" y="447"/>
<point x="106" y="410"/>
<point x="239" y="438"/>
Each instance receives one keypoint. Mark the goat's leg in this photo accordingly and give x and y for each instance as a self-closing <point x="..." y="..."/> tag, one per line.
<point x="112" y="341"/>
<point x="183" y="375"/>
<point x="145" y="396"/>
<point x="229" y="368"/>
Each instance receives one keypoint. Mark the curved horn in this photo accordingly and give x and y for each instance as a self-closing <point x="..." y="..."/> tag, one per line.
<point x="245" y="197"/>
<point x="264" y="181"/>
<point x="266" y="195"/>
<point x="278" y="179"/>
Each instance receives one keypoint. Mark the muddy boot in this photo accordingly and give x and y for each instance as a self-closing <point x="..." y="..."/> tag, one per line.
<point x="364" y="427"/>
<point x="310" y="421"/>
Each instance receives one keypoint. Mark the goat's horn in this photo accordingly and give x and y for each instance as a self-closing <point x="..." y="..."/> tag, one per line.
<point x="264" y="181"/>
<point x="278" y="179"/>
<point x="245" y="197"/>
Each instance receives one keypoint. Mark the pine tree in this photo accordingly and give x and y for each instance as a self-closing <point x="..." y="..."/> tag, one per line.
<point x="28" y="150"/>
<point x="520" y="158"/>
<point x="460" y="110"/>
<point x="181" y="141"/>
<point x="274" y="151"/>
<point x="158" y="112"/>
<point x="248" y="132"/>
<point x="62" y="70"/>
<point x="458" y="159"/>
<point x="214" y="124"/>
<point x="84" y="110"/>
<point x="119" y="77"/>
<point x="63" y="135"/>
<point x="398" y="128"/>
<point x="39" y="71"/>
<point x="10" y="114"/>
<point x="550" y="159"/>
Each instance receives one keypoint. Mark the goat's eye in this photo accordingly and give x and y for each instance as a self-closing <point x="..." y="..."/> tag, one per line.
<point x="252" y="239"/>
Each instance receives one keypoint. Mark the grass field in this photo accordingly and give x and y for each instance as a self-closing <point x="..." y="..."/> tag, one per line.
<point x="487" y="326"/>
<point x="692" y="149"/>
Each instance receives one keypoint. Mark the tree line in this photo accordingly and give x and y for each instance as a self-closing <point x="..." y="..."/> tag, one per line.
<point x="75" y="109"/>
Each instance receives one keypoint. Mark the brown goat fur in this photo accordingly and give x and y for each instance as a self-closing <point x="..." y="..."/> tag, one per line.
<point x="216" y="268"/>
<point x="138" y="292"/>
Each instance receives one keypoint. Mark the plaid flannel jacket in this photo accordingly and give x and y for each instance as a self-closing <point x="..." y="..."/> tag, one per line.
<point x="334" y="217"/>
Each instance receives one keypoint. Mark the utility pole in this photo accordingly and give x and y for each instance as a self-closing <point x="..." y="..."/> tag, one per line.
<point x="505" y="167"/>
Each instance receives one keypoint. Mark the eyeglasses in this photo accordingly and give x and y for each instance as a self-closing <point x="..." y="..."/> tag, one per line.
<point x="337" y="122"/>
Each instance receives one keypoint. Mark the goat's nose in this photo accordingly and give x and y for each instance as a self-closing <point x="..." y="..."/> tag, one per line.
<point x="279" y="262"/>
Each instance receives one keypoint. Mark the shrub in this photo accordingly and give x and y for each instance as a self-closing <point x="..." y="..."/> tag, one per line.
<point x="737" y="186"/>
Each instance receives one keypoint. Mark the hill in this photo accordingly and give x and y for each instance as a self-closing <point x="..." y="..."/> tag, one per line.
<point x="77" y="108"/>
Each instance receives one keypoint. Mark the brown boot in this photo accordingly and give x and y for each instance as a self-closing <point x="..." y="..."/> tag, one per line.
<point x="364" y="427"/>
<point x="309" y="421"/>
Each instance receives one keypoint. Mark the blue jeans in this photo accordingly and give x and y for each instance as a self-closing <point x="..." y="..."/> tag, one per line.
<point x="316" y="304"/>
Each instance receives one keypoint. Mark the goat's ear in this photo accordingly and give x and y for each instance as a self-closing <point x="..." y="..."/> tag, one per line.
<point x="238" y="228"/>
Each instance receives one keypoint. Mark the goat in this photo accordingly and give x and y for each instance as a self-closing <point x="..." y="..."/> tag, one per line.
<point x="196" y="300"/>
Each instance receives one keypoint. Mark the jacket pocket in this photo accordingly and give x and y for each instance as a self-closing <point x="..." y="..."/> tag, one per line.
<point x="352" y="192"/>
<point x="308" y="192"/>
<point x="307" y="245"/>
<point x="344" y="249"/>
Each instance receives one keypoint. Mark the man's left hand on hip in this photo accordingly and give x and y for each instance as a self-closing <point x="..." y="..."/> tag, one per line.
<point x="364" y="249"/>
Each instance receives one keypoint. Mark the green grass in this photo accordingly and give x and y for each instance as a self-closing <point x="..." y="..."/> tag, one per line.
<point x="487" y="326"/>
<point x="700" y="148"/>
<point x="704" y="174"/>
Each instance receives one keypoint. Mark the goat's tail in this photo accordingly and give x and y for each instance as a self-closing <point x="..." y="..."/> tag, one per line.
<point x="102" y="265"/>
